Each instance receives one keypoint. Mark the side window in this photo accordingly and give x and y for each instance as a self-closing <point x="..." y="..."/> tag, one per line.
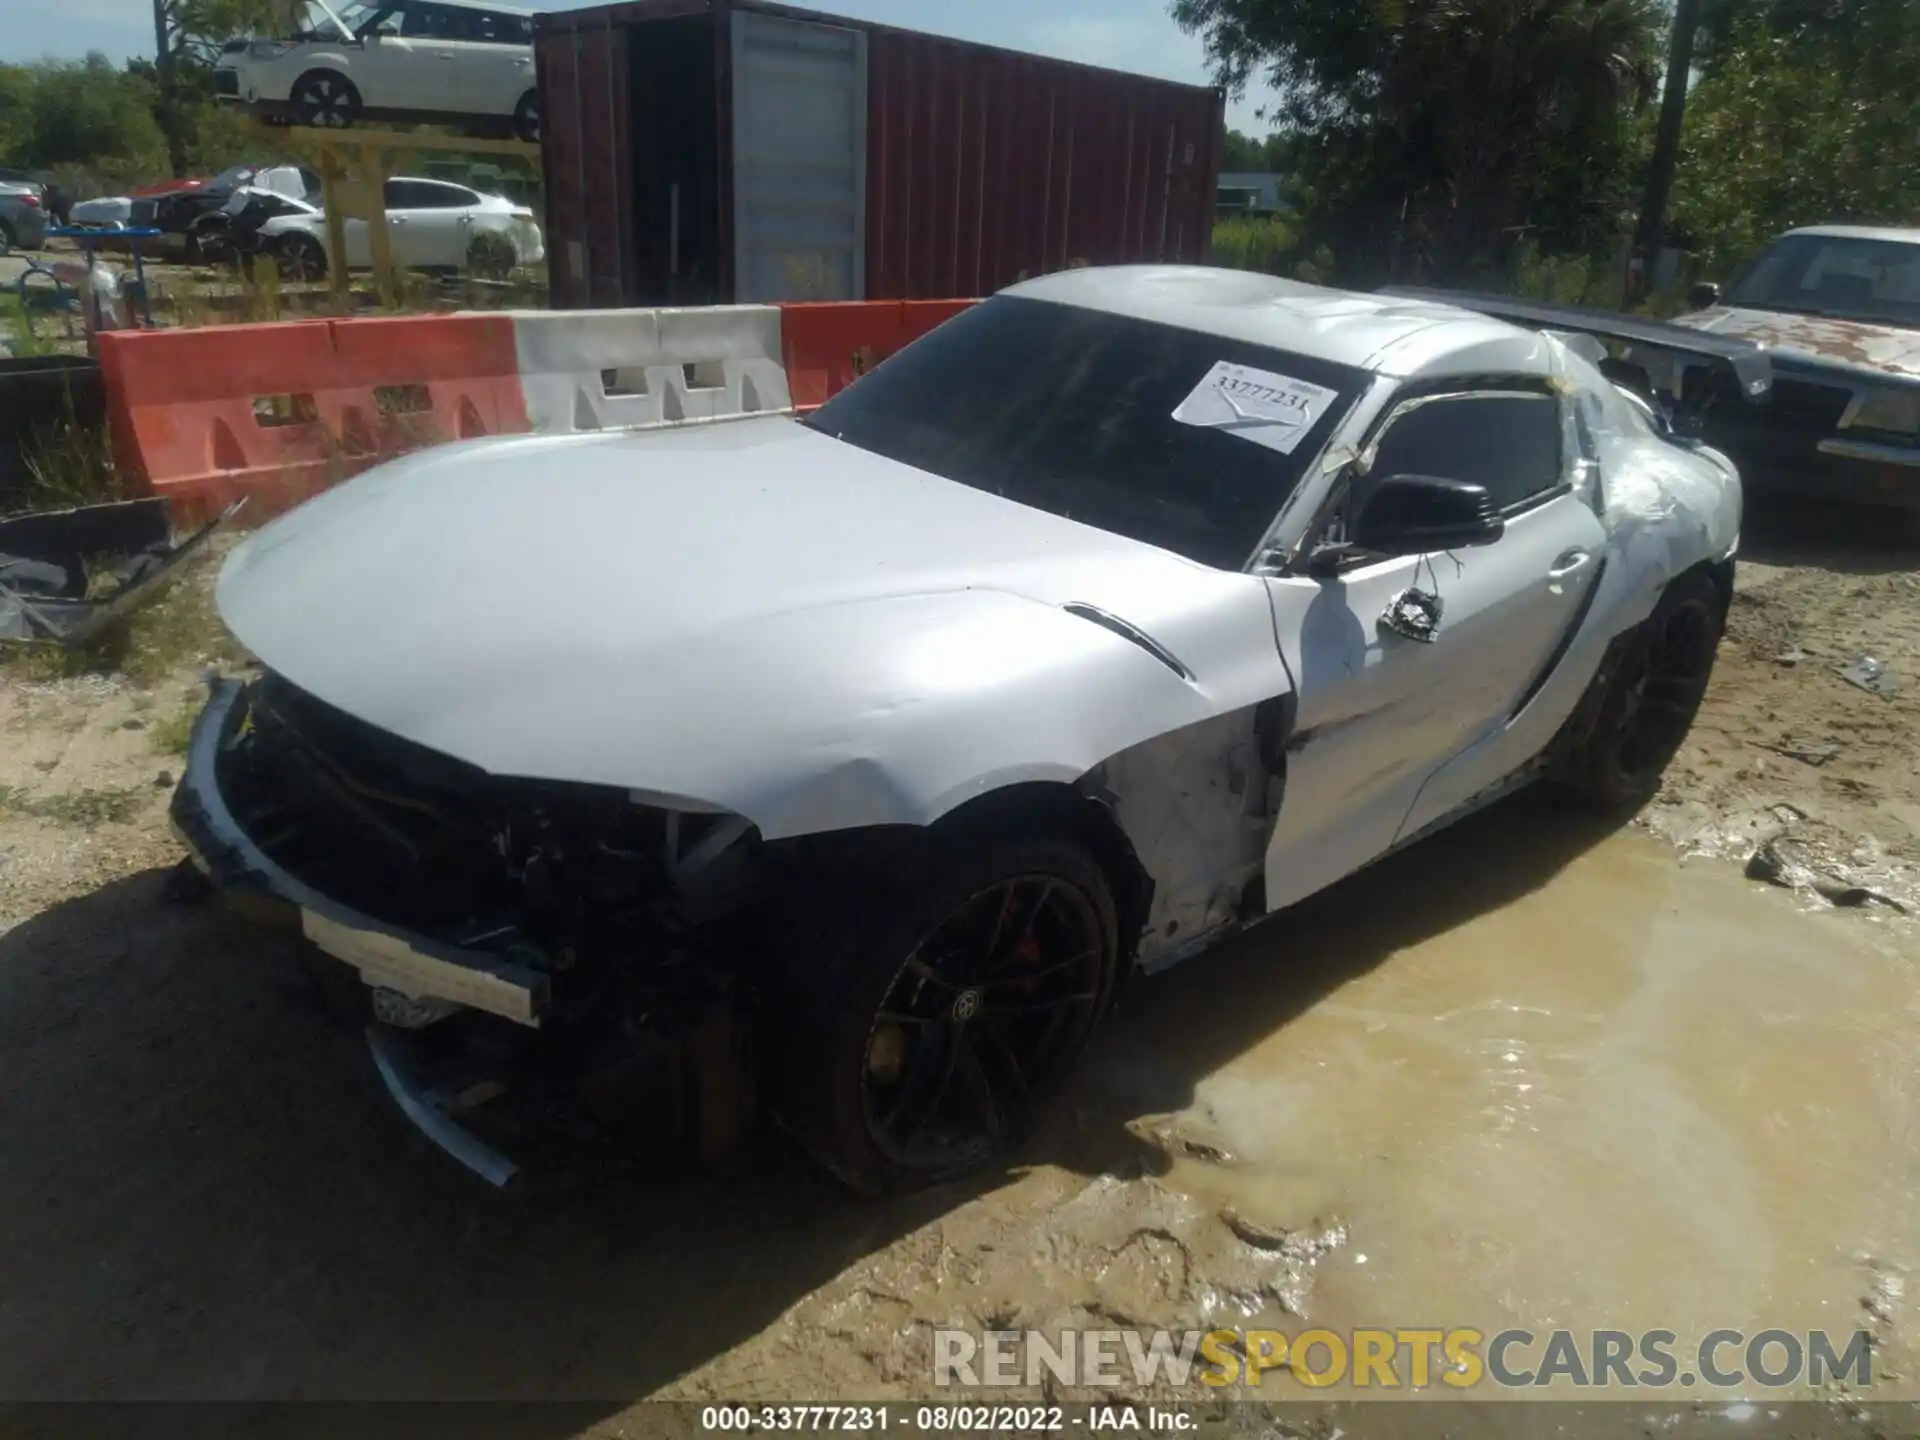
<point x="432" y="22"/>
<point x="494" y="29"/>
<point x="428" y="195"/>
<point x="1506" y="441"/>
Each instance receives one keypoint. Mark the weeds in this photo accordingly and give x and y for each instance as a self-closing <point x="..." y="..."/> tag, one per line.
<point x="18" y="329"/>
<point x="84" y="809"/>
<point x="171" y="733"/>
<point x="181" y="628"/>
<point x="72" y="466"/>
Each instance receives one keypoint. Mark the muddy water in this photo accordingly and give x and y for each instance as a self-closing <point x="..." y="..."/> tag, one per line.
<point x="1545" y="1079"/>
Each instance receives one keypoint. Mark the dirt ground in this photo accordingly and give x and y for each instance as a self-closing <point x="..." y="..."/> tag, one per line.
<point x="1529" y="1072"/>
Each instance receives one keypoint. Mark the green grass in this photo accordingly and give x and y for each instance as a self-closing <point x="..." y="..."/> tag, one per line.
<point x="19" y="333"/>
<point x="1265" y="244"/>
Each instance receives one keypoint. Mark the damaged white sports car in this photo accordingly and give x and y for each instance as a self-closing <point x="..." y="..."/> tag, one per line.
<point x="1127" y="608"/>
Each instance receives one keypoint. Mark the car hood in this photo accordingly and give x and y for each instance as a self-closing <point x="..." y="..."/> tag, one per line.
<point x="1852" y="344"/>
<point x="748" y="613"/>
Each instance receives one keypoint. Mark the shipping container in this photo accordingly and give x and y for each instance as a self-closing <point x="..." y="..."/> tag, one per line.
<point x="709" y="151"/>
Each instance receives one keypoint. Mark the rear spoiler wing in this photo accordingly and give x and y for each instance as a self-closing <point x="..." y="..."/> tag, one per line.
<point x="1664" y="352"/>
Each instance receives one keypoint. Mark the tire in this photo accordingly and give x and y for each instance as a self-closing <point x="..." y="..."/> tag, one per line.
<point x="526" y="117"/>
<point x="491" y="256"/>
<point x="325" y="99"/>
<point x="925" y="1007"/>
<point x="302" y="257"/>
<point x="1648" y="695"/>
<point x="209" y="240"/>
<point x="7" y="238"/>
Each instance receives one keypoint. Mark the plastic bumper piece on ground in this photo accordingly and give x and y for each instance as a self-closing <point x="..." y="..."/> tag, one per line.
<point x="421" y="1103"/>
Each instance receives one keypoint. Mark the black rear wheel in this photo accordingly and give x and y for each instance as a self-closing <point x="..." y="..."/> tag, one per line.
<point x="1657" y="681"/>
<point x="923" y="1027"/>
<point x="526" y="117"/>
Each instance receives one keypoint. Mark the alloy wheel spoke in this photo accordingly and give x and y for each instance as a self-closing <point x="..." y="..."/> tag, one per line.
<point x="925" y="1085"/>
<point x="921" y="970"/>
<point x="1000" y="918"/>
<point x="991" y="1030"/>
<point x="1025" y="977"/>
<point x="1041" y="1007"/>
<point x="974" y="1076"/>
<point x="998" y="960"/>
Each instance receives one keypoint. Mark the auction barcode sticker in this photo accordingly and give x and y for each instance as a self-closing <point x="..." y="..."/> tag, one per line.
<point x="1272" y="410"/>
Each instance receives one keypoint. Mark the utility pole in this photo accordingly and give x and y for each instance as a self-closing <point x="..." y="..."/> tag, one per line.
<point x="1666" y="146"/>
<point x="166" y="44"/>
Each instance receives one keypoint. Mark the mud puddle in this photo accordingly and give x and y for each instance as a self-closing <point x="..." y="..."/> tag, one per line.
<point x="1527" y="1075"/>
<point x="1635" y="1095"/>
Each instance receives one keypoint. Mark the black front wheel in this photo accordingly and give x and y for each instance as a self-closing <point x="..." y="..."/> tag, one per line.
<point x="302" y="258"/>
<point x="1649" y="697"/>
<point x="324" y="99"/>
<point x="923" y="1025"/>
<point x="209" y="241"/>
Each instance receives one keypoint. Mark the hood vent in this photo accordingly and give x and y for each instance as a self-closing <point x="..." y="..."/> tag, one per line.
<point x="1106" y="620"/>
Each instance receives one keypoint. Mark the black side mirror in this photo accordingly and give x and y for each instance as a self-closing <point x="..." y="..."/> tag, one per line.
<point x="1703" y="296"/>
<point x="1413" y="514"/>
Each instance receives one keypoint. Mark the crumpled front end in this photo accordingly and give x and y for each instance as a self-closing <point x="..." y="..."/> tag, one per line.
<point x="482" y="914"/>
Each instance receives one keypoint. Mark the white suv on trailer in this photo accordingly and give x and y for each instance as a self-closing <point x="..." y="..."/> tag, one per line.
<point x="392" y="60"/>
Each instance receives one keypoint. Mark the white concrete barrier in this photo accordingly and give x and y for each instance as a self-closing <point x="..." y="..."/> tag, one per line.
<point x="610" y="369"/>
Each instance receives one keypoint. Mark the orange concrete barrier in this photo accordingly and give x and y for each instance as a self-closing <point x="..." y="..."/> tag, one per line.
<point x="279" y="412"/>
<point x="827" y="346"/>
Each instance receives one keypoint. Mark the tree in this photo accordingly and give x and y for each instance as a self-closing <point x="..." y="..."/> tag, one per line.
<point x="188" y="36"/>
<point x="1805" y="112"/>
<point x="1265" y="157"/>
<point x="76" y="114"/>
<point x="1436" y="135"/>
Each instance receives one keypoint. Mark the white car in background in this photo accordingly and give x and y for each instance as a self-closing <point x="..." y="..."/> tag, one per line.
<point x="104" y="212"/>
<point x="402" y="59"/>
<point x="432" y="225"/>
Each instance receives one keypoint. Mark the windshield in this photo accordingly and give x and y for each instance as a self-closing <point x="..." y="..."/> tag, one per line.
<point x="1072" y="411"/>
<point x="1851" y="279"/>
<point x="318" y="24"/>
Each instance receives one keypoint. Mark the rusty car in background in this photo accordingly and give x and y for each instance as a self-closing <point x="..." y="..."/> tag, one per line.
<point x="1837" y="310"/>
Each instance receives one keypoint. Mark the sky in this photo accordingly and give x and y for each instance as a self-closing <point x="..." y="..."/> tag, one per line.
<point x="1135" y="35"/>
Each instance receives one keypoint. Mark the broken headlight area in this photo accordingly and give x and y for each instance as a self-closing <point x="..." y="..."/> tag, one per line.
<point x="604" y="897"/>
<point x="528" y="950"/>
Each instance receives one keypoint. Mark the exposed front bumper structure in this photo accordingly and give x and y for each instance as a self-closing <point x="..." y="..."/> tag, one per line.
<point x="415" y="966"/>
<point x="462" y="987"/>
<point x="410" y="963"/>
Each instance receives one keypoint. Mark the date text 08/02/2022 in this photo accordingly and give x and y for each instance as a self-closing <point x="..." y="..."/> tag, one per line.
<point x="948" y="1419"/>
